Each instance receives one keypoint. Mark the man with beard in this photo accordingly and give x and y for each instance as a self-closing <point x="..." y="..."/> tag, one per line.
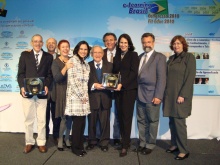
<point x="151" y="86"/>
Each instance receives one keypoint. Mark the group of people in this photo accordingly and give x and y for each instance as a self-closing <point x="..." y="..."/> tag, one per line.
<point x="76" y="91"/>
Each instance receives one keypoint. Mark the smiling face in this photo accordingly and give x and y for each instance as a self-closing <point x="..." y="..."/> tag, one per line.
<point x="147" y="43"/>
<point x="37" y="43"/>
<point x="51" y="45"/>
<point x="83" y="50"/>
<point x="110" y="42"/>
<point x="177" y="47"/>
<point x="123" y="44"/>
<point x="97" y="54"/>
<point x="64" y="49"/>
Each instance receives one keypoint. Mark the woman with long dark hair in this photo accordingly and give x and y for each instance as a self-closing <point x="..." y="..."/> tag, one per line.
<point x="77" y="99"/>
<point x="126" y="63"/>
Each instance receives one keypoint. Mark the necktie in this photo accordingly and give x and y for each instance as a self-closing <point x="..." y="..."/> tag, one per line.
<point x="99" y="73"/>
<point x="111" y="59"/>
<point x="144" y="61"/>
<point x="36" y="58"/>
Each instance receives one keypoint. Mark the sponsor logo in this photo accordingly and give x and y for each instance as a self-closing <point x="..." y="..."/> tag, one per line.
<point x="6" y="67"/>
<point x="5" y="87"/>
<point x="6" y="56"/>
<point x="21" y="45"/>
<point x="21" y="35"/>
<point x="5" y="77"/>
<point x="6" y="45"/>
<point x="6" y="34"/>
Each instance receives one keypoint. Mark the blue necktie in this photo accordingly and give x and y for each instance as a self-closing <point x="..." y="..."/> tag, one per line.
<point x="99" y="73"/>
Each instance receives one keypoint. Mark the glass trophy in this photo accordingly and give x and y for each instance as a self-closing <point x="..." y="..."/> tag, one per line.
<point x="34" y="86"/>
<point x="110" y="81"/>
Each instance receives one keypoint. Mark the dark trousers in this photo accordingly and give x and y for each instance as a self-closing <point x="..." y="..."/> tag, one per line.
<point x="116" y="126"/>
<point x="178" y="130"/>
<point x="103" y="117"/>
<point x="78" y="128"/>
<point x="56" y="121"/>
<point x="125" y="107"/>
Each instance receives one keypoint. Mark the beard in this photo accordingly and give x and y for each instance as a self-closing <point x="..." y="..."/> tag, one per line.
<point x="147" y="49"/>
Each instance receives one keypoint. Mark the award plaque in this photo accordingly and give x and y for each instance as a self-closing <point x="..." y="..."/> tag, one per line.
<point x="110" y="81"/>
<point x="34" y="86"/>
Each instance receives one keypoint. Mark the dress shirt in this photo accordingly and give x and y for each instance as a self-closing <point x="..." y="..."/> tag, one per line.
<point x="39" y="56"/>
<point x="100" y="67"/>
<point x="109" y="54"/>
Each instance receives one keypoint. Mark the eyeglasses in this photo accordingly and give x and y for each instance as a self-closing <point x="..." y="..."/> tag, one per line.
<point x="177" y="43"/>
<point x="37" y="42"/>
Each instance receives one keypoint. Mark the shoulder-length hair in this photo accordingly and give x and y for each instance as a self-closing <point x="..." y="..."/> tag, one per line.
<point x="182" y="40"/>
<point x="130" y="43"/>
<point x="76" y="50"/>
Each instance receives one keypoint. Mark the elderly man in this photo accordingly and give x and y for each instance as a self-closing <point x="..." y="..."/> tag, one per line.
<point x="100" y="100"/>
<point x="35" y="64"/>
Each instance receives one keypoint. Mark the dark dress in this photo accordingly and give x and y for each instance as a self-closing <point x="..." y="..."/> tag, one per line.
<point x="61" y="86"/>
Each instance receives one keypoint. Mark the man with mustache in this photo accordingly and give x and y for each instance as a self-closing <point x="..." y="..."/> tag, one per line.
<point x="151" y="86"/>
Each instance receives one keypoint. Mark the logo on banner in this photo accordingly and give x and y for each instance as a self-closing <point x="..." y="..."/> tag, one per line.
<point x="21" y="45"/>
<point x="6" y="45"/>
<point x="5" y="77"/>
<point x="5" y="87"/>
<point x="6" y="67"/>
<point x="6" y="56"/>
<point x="6" y="34"/>
<point x="158" y="7"/>
<point x="21" y="35"/>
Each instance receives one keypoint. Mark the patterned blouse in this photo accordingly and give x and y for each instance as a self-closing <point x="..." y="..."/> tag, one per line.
<point x="77" y="89"/>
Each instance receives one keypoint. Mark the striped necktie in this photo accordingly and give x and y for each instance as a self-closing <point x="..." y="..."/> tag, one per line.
<point x="36" y="58"/>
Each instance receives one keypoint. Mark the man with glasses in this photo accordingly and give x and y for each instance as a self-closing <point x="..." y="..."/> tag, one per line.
<point x="35" y="64"/>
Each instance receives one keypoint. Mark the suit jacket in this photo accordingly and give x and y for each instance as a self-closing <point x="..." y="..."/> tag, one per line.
<point x="152" y="78"/>
<point x="181" y="73"/>
<point x="52" y="89"/>
<point x="128" y="69"/>
<point x="99" y="98"/>
<point x="27" y="68"/>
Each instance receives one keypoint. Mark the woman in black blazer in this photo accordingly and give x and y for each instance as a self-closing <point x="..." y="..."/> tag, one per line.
<point x="126" y="63"/>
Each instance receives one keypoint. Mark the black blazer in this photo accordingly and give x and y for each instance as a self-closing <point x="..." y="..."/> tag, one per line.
<point x="27" y="68"/>
<point x="128" y="69"/>
<point x="99" y="98"/>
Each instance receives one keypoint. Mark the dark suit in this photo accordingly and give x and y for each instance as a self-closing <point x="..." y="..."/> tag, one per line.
<point x="51" y="106"/>
<point x="116" y="128"/>
<point x="151" y="84"/>
<point x="27" y="68"/>
<point x="125" y="99"/>
<point x="100" y="104"/>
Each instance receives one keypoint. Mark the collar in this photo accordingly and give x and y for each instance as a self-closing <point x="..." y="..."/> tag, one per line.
<point x="98" y="63"/>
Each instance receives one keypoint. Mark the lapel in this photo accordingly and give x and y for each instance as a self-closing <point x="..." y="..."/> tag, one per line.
<point x="94" y="70"/>
<point x="178" y="59"/>
<point x="149" y="61"/>
<point x="32" y="59"/>
<point x="42" y="61"/>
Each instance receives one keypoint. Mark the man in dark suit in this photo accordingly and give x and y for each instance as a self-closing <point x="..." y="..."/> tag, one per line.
<point x="51" y="44"/>
<point x="100" y="100"/>
<point x="151" y="86"/>
<point x="110" y="41"/>
<point x="34" y="64"/>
